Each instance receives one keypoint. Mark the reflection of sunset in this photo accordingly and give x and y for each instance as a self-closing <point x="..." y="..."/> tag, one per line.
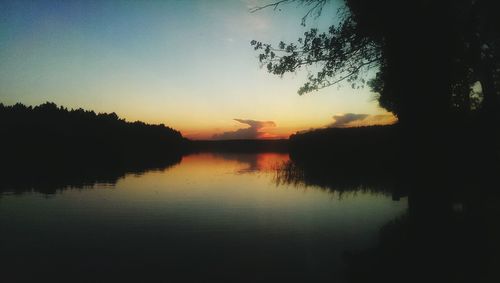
<point x="210" y="178"/>
<point x="269" y="161"/>
<point x="242" y="163"/>
<point x="214" y="180"/>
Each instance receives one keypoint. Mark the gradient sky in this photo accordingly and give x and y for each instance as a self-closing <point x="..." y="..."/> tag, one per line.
<point x="187" y="64"/>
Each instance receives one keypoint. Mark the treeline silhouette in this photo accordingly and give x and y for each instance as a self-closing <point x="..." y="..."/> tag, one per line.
<point x="58" y="132"/>
<point x="47" y="141"/>
<point x="459" y="152"/>
<point x="240" y="146"/>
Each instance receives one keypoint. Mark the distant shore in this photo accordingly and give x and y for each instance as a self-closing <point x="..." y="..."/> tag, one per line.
<point x="48" y="138"/>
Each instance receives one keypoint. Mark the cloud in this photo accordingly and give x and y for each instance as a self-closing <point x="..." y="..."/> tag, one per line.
<point x="253" y="132"/>
<point x="343" y="120"/>
<point x="359" y="120"/>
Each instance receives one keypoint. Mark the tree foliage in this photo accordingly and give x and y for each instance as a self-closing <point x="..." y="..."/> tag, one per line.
<point x="342" y="54"/>
<point x="426" y="55"/>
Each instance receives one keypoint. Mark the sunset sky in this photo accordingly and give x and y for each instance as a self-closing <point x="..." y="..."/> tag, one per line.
<point x="187" y="64"/>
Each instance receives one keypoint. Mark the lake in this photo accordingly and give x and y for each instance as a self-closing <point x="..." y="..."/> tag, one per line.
<point x="211" y="216"/>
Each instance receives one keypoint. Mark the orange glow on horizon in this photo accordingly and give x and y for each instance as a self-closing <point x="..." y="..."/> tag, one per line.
<point x="285" y="132"/>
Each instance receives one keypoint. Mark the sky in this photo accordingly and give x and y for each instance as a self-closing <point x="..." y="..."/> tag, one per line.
<point x="186" y="64"/>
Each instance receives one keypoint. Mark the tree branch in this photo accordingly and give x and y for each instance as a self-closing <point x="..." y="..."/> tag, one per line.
<point x="354" y="71"/>
<point x="274" y="5"/>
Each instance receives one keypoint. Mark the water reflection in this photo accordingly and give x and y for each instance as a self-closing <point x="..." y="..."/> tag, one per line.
<point x="327" y="177"/>
<point x="440" y="239"/>
<point x="49" y="178"/>
<point x="246" y="217"/>
<point x="210" y="217"/>
<point x="449" y="233"/>
<point x="252" y="162"/>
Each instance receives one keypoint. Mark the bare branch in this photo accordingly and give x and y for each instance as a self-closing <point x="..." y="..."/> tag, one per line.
<point x="274" y="5"/>
<point x="317" y="6"/>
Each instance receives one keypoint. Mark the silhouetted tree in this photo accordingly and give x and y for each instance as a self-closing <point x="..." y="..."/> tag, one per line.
<point x="427" y="54"/>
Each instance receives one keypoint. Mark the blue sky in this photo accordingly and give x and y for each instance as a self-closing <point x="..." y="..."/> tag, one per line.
<point x="187" y="64"/>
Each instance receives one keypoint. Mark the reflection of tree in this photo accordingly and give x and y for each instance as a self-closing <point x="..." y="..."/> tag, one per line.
<point x="440" y="239"/>
<point x="450" y="232"/>
<point x="75" y="175"/>
<point x="338" y="178"/>
<point x="292" y="173"/>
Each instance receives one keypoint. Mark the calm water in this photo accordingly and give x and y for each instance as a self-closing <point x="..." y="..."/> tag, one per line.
<point x="212" y="216"/>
